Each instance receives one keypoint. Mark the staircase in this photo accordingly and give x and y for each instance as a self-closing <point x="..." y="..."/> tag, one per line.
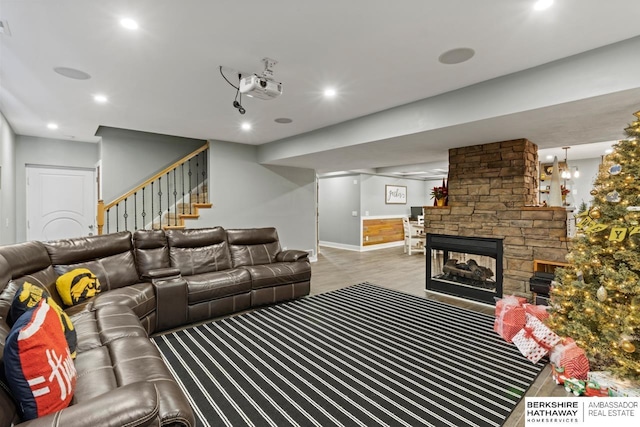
<point x="164" y="201"/>
<point x="185" y="211"/>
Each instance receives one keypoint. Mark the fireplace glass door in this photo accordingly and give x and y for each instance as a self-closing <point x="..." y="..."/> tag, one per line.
<point x="468" y="267"/>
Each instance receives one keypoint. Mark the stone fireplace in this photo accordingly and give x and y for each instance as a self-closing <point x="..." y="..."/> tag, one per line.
<point x="493" y="192"/>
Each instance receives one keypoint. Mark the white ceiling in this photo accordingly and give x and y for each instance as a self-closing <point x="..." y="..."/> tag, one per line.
<point x="164" y="77"/>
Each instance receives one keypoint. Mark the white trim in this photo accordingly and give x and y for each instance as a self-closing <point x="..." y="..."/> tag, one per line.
<point x="382" y="246"/>
<point x="361" y="248"/>
<point x="383" y="217"/>
<point x="340" y="246"/>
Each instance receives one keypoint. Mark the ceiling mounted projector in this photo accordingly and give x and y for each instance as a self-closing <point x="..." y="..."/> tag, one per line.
<point x="262" y="87"/>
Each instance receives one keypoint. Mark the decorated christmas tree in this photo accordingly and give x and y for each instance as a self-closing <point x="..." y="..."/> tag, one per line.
<point x="596" y="299"/>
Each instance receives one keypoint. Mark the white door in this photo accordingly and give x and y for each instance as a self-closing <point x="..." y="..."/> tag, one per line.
<point x="61" y="203"/>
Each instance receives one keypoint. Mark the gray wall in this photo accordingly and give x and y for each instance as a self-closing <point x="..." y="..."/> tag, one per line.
<point x="246" y="194"/>
<point x="7" y="183"/>
<point x="373" y="200"/>
<point x="338" y="197"/>
<point x="130" y="157"/>
<point x="46" y="152"/>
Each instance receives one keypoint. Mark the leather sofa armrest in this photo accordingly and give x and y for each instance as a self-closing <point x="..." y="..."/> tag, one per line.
<point x="172" y="300"/>
<point x="132" y="405"/>
<point x="292" y="255"/>
<point x="161" y="273"/>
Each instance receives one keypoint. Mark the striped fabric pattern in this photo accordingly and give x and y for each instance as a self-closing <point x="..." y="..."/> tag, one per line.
<point x="359" y="356"/>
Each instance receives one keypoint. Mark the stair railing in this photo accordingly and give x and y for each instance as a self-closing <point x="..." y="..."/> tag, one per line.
<point x="158" y="201"/>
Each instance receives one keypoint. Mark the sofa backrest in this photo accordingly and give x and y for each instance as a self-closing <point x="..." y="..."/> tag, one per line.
<point x="151" y="250"/>
<point x="195" y="251"/>
<point x="29" y="262"/>
<point x="109" y="256"/>
<point x="253" y="246"/>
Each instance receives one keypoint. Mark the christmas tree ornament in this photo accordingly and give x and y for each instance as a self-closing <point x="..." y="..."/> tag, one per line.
<point x="595" y="213"/>
<point x="615" y="170"/>
<point x="593" y="192"/>
<point x="601" y="294"/>
<point x="628" y="346"/>
<point x="629" y="179"/>
<point x="613" y="197"/>
<point x="596" y="262"/>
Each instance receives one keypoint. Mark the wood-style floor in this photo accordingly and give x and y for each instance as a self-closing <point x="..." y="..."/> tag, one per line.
<point x="393" y="269"/>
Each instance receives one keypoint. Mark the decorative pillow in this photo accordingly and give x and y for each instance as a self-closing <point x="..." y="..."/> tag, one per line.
<point x="38" y="365"/>
<point x="27" y="297"/>
<point x="77" y="285"/>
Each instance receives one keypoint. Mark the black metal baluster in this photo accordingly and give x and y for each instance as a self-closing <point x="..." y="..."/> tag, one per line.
<point x="152" y="197"/>
<point x="117" y="217"/>
<point x="197" y="182"/>
<point x="182" y="179"/>
<point x="168" y="201"/>
<point x="204" y="176"/>
<point x="175" y="197"/>
<point x="108" y="210"/>
<point x="135" y="211"/>
<point x="190" y="189"/>
<point x="160" y="200"/>
<point x="126" y="215"/>
<point x="144" y="212"/>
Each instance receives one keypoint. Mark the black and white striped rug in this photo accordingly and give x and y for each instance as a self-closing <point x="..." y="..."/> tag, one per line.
<point x="359" y="356"/>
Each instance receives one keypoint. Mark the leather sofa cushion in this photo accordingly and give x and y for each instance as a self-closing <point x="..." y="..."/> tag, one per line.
<point x="99" y="327"/>
<point x="253" y="246"/>
<point x="78" y="249"/>
<point x="279" y="273"/>
<point x="113" y="272"/>
<point x="214" y="285"/>
<point x="130" y="360"/>
<point x="151" y="251"/>
<point x="30" y="262"/>
<point x="196" y="251"/>
<point x="141" y="298"/>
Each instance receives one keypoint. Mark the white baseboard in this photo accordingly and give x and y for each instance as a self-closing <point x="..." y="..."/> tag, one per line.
<point x="361" y="248"/>
<point x="340" y="246"/>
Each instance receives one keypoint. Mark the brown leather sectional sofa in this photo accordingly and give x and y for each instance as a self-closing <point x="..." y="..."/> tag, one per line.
<point x="151" y="281"/>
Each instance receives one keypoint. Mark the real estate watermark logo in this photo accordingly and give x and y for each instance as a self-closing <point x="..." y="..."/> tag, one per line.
<point x="582" y="411"/>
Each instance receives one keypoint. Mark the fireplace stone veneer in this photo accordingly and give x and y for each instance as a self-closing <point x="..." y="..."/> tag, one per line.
<point x="493" y="190"/>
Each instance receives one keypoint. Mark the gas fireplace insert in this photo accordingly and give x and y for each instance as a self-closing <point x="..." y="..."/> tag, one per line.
<point x="467" y="267"/>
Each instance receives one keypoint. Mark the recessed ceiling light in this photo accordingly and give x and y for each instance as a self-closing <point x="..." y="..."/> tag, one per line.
<point x="129" y="23"/>
<point x="542" y="4"/>
<point x="456" y="56"/>
<point x="72" y="73"/>
<point x="608" y="151"/>
<point x="283" y="120"/>
<point x="329" y="92"/>
<point x="246" y="126"/>
<point x="52" y="126"/>
<point x="100" y="99"/>
<point x="549" y="157"/>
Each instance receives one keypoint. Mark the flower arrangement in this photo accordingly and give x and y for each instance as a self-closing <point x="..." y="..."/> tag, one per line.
<point x="564" y="190"/>
<point x="439" y="192"/>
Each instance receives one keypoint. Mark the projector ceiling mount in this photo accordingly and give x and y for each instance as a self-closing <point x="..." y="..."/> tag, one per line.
<point x="255" y="86"/>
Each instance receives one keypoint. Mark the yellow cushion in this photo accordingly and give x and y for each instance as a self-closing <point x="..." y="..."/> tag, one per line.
<point x="77" y="285"/>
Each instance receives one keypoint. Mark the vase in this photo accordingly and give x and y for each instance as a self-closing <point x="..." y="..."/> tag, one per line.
<point x="440" y="202"/>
